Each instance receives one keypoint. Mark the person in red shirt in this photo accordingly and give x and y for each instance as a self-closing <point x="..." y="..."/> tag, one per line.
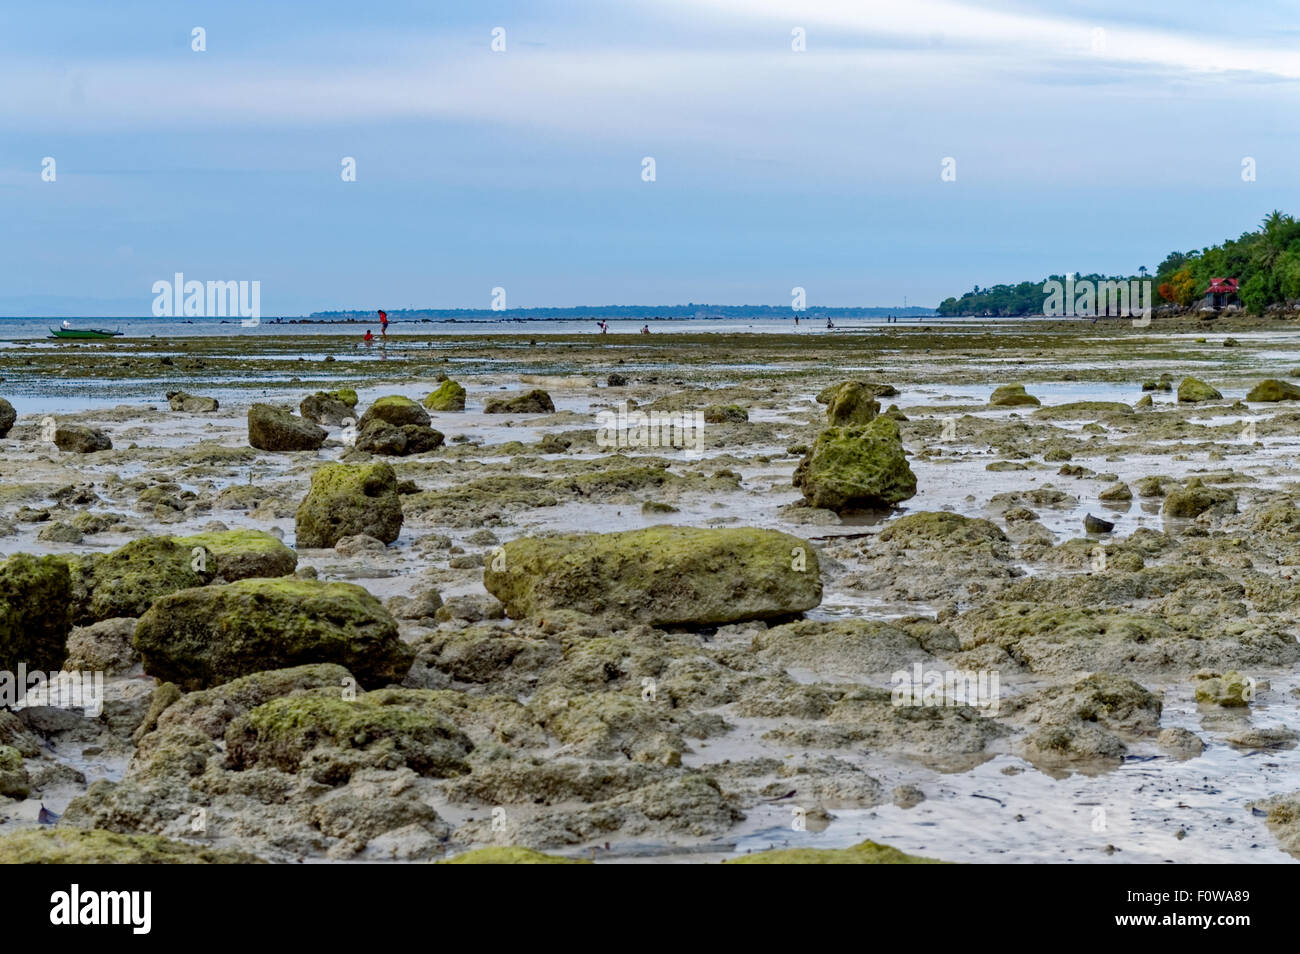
<point x="383" y="323"/>
<point x="368" y="338"/>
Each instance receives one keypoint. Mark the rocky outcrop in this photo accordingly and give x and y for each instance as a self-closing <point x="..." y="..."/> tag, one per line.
<point x="209" y="635"/>
<point x="661" y="576"/>
<point x="275" y="429"/>
<point x="856" y="468"/>
<point x="346" y="500"/>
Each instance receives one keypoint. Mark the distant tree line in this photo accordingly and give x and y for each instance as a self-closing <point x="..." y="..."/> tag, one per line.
<point x="1265" y="261"/>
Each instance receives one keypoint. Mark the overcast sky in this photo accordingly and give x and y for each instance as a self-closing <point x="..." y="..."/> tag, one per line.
<point x="1075" y="149"/>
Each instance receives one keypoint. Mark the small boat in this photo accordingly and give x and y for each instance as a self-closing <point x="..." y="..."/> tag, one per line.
<point x="82" y="333"/>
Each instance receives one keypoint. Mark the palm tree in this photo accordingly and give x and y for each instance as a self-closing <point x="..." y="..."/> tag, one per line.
<point x="1271" y="240"/>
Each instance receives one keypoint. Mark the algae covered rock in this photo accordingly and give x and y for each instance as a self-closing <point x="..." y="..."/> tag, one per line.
<point x="80" y="439"/>
<point x="35" y="599"/>
<point x="7" y="417"/>
<point x="80" y="846"/>
<point x="1272" y="389"/>
<point x="1012" y="395"/>
<point x="448" y="396"/>
<point x="725" y="414"/>
<point x="14" y="782"/>
<point x="350" y="499"/>
<point x="853" y="403"/>
<point x="661" y="575"/>
<point x="1230" y="690"/>
<point x="1194" y="499"/>
<point x="329" y="737"/>
<point x="205" y="636"/>
<point x="856" y="468"/>
<point x="275" y="429"/>
<point x="510" y="855"/>
<point x="941" y="529"/>
<point x="1192" y="390"/>
<point x="535" y="401"/>
<point x="396" y="410"/>
<point x="128" y="580"/>
<point x="864" y="853"/>
<point x="240" y="554"/>
<point x="877" y="389"/>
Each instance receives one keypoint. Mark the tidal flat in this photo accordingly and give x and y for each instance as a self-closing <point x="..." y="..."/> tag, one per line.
<point x="460" y="687"/>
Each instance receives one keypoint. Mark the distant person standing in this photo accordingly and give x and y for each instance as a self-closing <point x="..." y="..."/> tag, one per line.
<point x="383" y="323"/>
<point x="829" y="323"/>
<point x="604" y="326"/>
<point x="645" y="329"/>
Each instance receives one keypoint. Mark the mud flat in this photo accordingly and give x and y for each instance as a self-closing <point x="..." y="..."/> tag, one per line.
<point x="1104" y="575"/>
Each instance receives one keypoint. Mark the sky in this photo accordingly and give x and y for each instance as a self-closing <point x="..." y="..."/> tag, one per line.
<point x="1085" y="137"/>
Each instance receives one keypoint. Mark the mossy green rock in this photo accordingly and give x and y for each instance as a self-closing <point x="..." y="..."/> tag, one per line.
<point x="128" y="580"/>
<point x="241" y="554"/>
<point x="330" y="737"/>
<point x="202" y="637"/>
<point x="348" y="499"/>
<point x="1272" y="389"/>
<point x="1012" y="395"/>
<point x="1191" y="390"/>
<point x="7" y="417"/>
<point x="1231" y="690"/>
<point x="661" y="575"/>
<point x="857" y="468"/>
<point x="865" y="853"/>
<point x="35" y="603"/>
<point x="13" y="777"/>
<point x="511" y="855"/>
<point x="852" y="403"/>
<point x="725" y="414"/>
<point x="324" y="408"/>
<point x="941" y="529"/>
<point x="396" y="410"/>
<point x="449" y="396"/>
<point x="1194" y="499"/>
<point x="346" y="395"/>
<point x="81" y="846"/>
<point x="827" y="394"/>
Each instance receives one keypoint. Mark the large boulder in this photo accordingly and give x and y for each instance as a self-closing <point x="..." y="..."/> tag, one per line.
<point x="324" y="408"/>
<point x="854" y="403"/>
<point x="1012" y="395"/>
<point x="449" y="396"/>
<point x="661" y="575"/>
<point x="191" y="403"/>
<point x="80" y="439"/>
<point x="128" y="580"/>
<point x="348" y="499"/>
<point x="7" y="417"/>
<point x="1194" y="499"/>
<point x="1191" y="391"/>
<point x="209" y="635"/>
<point x="535" y="401"/>
<point x="1272" y="389"/>
<point x="395" y="410"/>
<point x="275" y="429"/>
<point x="856" y="468"/>
<point x="35" y="594"/>
<point x="240" y="554"/>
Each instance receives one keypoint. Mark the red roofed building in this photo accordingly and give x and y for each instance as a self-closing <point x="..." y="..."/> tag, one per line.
<point x="1221" y="289"/>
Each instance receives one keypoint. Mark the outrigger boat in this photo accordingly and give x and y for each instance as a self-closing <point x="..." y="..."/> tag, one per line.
<point x="82" y="333"/>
